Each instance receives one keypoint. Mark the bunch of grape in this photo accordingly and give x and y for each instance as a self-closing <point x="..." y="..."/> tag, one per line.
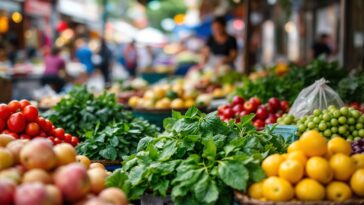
<point x="358" y="146"/>
<point x="344" y="122"/>
<point x="286" y="119"/>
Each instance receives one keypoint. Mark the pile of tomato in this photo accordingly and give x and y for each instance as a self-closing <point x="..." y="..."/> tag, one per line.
<point x="22" y="120"/>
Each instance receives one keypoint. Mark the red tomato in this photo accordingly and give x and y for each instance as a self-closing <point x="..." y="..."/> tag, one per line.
<point x="32" y="129"/>
<point x="14" y="106"/>
<point x="74" y="141"/>
<point x="284" y="105"/>
<point x="24" y="103"/>
<point x="67" y="138"/>
<point x="4" y="111"/>
<point x="59" y="133"/>
<point x="57" y="141"/>
<point x="259" y="123"/>
<point x="42" y="134"/>
<point x="237" y="100"/>
<point x="2" y="124"/>
<point x="16" y="122"/>
<point x="42" y="123"/>
<point x="49" y="127"/>
<point x="228" y="113"/>
<point x="31" y="113"/>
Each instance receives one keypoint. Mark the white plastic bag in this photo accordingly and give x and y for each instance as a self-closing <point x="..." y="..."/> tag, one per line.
<point x="316" y="96"/>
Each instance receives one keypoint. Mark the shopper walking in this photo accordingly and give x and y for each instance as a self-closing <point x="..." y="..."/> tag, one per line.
<point x="105" y="61"/>
<point x="84" y="55"/>
<point x="54" y="72"/>
<point x="131" y="59"/>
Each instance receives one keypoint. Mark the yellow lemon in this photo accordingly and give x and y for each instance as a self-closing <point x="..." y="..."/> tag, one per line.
<point x="338" y="191"/>
<point x="271" y="164"/>
<point x="339" y="145"/>
<point x="298" y="155"/>
<point x="291" y="170"/>
<point x="177" y="104"/>
<point x="312" y="143"/>
<point x="358" y="160"/>
<point x="133" y="101"/>
<point x="277" y="189"/>
<point x="343" y="166"/>
<point x="256" y="190"/>
<point x="319" y="169"/>
<point x="357" y="182"/>
<point x="294" y="147"/>
<point x="309" y="190"/>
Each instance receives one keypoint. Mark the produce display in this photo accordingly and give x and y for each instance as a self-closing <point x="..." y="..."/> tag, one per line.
<point x="107" y="131"/>
<point x="124" y="90"/>
<point x="264" y="113"/>
<point x="314" y="169"/>
<point x="35" y="172"/>
<point x="21" y="120"/>
<point x="170" y="96"/>
<point x="351" y="88"/>
<point x="198" y="159"/>
<point x="344" y="122"/>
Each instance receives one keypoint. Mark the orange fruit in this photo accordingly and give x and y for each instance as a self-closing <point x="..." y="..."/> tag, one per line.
<point x="312" y="143"/>
<point x="319" y="169"/>
<point x="277" y="189"/>
<point x="271" y="164"/>
<point x="298" y="155"/>
<point x="294" y="146"/>
<point x="255" y="191"/>
<point x="358" y="160"/>
<point x="357" y="182"/>
<point x="309" y="190"/>
<point x="339" y="145"/>
<point x="338" y="191"/>
<point x="291" y="170"/>
<point x="343" y="166"/>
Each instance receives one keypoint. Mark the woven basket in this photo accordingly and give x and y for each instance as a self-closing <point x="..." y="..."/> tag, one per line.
<point x="245" y="200"/>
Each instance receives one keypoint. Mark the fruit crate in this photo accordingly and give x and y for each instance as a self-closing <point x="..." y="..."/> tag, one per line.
<point x="286" y="131"/>
<point x="110" y="165"/>
<point x="245" y="200"/>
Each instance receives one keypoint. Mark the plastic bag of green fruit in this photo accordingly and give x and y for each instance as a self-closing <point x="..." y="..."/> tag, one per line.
<point x="316" y="96"/>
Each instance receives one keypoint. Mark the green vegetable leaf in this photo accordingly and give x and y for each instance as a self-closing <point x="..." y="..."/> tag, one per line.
<point x="234" y="174"/>
<point x="136" y="174"/>
<point x="206" y="190"/>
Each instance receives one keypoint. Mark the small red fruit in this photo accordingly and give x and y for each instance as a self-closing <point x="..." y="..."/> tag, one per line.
<point x="51" y="138"/>
<point x="32" y="129"/>
<point x="25" y="137"/>
<point x="256" y="101"/>
<point x="68" y="137"/>
<point x="74" y="141"/>
<point x="31" y="113"/>
<point x="261" y="113"/>
<point x="16" y="122"/>
<point x="14" y="106"/>
<point x="259" y="123"/>
<point x="272" y="118"/>
<point x="284" y="105"/>
<point x="2" y="124"/>
<point x="274" y="104"/>
<point x="24" y="103"/>
<point x="250" y="106"/>
<point x="4" y="111"/>
<point x="237" y="100"/>
<point x="228" y="113"/>
<point x="238" y="108"/>
<point x="59" y="133"/>
<point x="243" y="113"/>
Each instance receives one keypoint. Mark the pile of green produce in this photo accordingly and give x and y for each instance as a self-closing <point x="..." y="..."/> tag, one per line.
<point x="198" y="159"/>
<point x="288" y="86"/>
<point x="105" y="129"/>
<point x="344" y="122"/>
<point x="351" y="88"/>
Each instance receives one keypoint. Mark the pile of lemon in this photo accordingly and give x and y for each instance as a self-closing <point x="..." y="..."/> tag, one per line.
<point x="314" y="169"/>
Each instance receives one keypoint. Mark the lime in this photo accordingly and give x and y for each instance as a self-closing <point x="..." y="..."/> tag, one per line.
<point x="351" y="121"/>
<point x="342" y="120"/>
<point x="327" y="133"/>
<point x="326" y="117"/>
<point x="311" y="125"/>
<point x="355" y="113"/>
<point x="316" y="120"/>
<point x="334" y="122"/>
<point x="322" y="126"/>
<point x="334" y="130"/>
<point x="337" y="113"/>
<point x="342" y="130"/>
<point x="301" y="127"/>
<point x="332" y="107"/>
<point x="361" y="133"/>
<point x="316" y="112"/>
<point x="355" y="133"/>
<point x="344" y="111"/>
<point x="359" y="126"/>
<point x="361" y="119"/>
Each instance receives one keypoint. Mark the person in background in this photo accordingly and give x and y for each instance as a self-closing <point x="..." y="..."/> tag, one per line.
<point x="84" y="55"/>
<point x="221" y="48"/>
<point x="131" y="57"/>
<point x="105" y="61"/>
<point x="54" y="72"/>
<point x="322" y="46"/>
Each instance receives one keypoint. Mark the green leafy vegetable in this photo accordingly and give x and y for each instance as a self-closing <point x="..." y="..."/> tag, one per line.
<point x="198" y="159"/>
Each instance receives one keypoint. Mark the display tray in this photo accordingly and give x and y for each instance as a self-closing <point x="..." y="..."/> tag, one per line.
<point x="110" y="165"/>
<point x="245" y="200"/>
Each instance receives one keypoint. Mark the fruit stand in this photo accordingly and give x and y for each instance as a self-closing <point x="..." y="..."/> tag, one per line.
<point x="258" y="148"/>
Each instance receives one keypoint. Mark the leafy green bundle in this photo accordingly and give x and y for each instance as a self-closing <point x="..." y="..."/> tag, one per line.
<point x="197" y="160"/>
<point x="105" y="129"/>
<point x="351" y="88"/>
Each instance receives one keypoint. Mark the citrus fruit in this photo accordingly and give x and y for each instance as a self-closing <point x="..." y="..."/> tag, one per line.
<point x="338" y="191"/>
<point x="309" y="190"/>
<point x="339" y="145"/>
<point x="312" y="143"/>
<point x="256" y="190"/>
<point x="294" y="147"/>
<point x="271" y="164"/>
<point x="277" y="189"/>
<point x="343" y="166"/>
<point x="357" y="182"/>
<point x="358" y="160"/>
<point x="297" y="155"/>
<point x="319" y="169"/>
<point x="291" y="170"/>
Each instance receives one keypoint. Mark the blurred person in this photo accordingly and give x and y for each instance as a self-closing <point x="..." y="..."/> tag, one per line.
<point x="84" y="55"/>
<point x="105" y="61"/>
<point x="221" y="48"/>
<point x="322" y="46"/>
<point x="131" y="57"/>
<point x="54" y="72"/>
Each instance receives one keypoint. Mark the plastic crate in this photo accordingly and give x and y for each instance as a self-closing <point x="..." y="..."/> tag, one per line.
<point x="286" y="131"/>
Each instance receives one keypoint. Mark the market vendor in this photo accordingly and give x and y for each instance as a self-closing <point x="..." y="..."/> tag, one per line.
<point x="221" y="48"/>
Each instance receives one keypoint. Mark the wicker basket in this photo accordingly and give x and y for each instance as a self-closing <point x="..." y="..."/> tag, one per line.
<point x="110" y="165"/>
<point x="245" y="200"/>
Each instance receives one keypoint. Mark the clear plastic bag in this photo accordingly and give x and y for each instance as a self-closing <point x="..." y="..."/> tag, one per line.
<point x="316" y="96"/>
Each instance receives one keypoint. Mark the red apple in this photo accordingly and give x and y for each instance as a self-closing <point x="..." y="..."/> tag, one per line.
<point x="7" y="189"/>
<point x="237" y="100"/>
<point x="243" y="113"/>
<point x="250" y="106"/>
<point x="258" y="123"/>
<point x="284" y="105"/>
<point x="228" y="113"/>
<point x="238" y="108"/>
<point x="272" y="118"/>
<point x="274" y="104"/>
<point x="256" y="101"/>
<point x="261" y="113"/>
<point x="355" y="105"/>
